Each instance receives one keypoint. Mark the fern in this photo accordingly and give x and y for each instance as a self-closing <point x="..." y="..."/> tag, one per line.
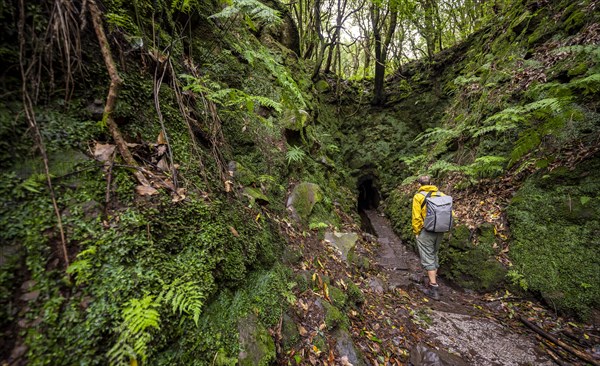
<point x="435" y="135"/>
<point x="295" y="154"/>
<point x="139" y="316"/>
<point x="252" y="11"/>
<point x="527" y="142"/>
<point x="184" y="298"/>
<point x="182" y="5"/>
<point x="588" y="85"/>
<point x="485" y="167"/>
<point x="441" y="167"/>
<point x="228" y="97"/>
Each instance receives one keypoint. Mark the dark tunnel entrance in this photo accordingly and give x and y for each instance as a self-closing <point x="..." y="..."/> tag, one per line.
<point x="368" y="199"/>
<point x="368" y="194"/>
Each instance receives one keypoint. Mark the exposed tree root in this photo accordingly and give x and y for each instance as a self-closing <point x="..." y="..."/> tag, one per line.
<point x="31" y="120"/>
<point x="113" y="93"/>
<point x="560" y="343"/>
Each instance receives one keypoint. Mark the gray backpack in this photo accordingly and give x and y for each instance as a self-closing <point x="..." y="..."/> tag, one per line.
<point x="439" y="213"/>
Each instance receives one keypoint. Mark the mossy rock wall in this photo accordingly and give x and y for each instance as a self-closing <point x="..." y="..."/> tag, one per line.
<point x="555" y="225"/>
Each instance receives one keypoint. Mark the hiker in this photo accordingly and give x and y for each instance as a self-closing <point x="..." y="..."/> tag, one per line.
<point x="429" y="234"/>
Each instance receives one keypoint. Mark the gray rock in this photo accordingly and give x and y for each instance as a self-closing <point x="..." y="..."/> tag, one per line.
<point x="346" y="348"/>
<point x="256" y="345"/>
<point x="376" y="285"/>
<point x="302" y="200"/>
<point x="344" y="242"/>
<point x="422" y="355"/>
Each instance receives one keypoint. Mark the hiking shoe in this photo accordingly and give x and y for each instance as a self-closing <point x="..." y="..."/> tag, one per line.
<point x="434" y="292"/>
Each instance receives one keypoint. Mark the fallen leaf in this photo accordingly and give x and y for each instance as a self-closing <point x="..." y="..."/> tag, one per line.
<point x="234" y="231"/>
<point x="302" y="330"/>
<point x="103" y="152"/>
<point x="161" y="140"/>
<point x="163" y="164"/>
<point x="146" y="190"/>
<point x="179" y="196"/>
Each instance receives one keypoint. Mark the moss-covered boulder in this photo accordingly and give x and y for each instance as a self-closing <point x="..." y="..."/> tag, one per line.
<point x="289" y="332"/>
<point x="355" y="295"/>
<point x="302" y="200"/>
<point x="241" y="174"/>
<point x="555" y="225"/>
<point x="255" y="195"/>
<point x="460" y="238"/>
<point x="346" y="348"/>
<point x="344" y="242"/>
<point x="256" y="345"/>
<point x="472" y="264"/>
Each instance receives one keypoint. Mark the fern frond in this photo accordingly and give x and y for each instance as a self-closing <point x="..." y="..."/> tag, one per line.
<point x="294" y="154"/>
<point x="497" y="128"/>
<point x="256" y="11"/>
<point x="553" y="105"/>
<point x="588" y="85"/>
<point x="442" y="166"/>
<point x="524" y="145"/>
<point x="485" y="167"/>
<point x="184" y="298"/>
<point x="139" y="316"/>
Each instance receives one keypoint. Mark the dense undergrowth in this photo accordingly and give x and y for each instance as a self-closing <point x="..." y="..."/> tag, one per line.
<point x="169" y="278"/>
<point x="192" y="274"/>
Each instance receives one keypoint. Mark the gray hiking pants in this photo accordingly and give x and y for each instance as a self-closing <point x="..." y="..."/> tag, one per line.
<point x="428" y="244"/>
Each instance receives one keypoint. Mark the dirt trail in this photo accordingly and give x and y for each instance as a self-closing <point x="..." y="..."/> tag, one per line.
<point x="457" y="322"/>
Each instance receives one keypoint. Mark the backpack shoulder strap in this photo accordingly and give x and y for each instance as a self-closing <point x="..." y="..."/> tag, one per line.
<point x="426" y="197"/>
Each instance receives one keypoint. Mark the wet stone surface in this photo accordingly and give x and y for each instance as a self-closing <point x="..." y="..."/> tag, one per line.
<point x="454" y="323"/>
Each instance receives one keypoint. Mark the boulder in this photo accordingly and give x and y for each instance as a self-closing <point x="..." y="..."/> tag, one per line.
<point x="256" y="345"/>
<point x="422" y="355"/>
<point x="302" y="200"/>
<point x="346" y="349"/>
<point x="344" y="242"/>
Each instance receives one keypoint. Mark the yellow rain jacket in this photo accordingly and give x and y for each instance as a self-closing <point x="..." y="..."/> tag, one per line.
<point x="419" y="209"/>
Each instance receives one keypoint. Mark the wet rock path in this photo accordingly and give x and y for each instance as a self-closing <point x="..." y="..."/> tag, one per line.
<point x="455" y="322"/>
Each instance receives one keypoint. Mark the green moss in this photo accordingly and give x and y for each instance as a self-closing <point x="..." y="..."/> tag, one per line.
<point x="355" y="295"/>
<point x="472" y="264"/>
<point x="460" y="238"/>
<point x="579" y="69"/>
<point x="555" y="248"/>
<point x="574" y="22"/>
<point x="334" y="318"/>
<point x="322" y="86"/>
<point x="338" y="297"/>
